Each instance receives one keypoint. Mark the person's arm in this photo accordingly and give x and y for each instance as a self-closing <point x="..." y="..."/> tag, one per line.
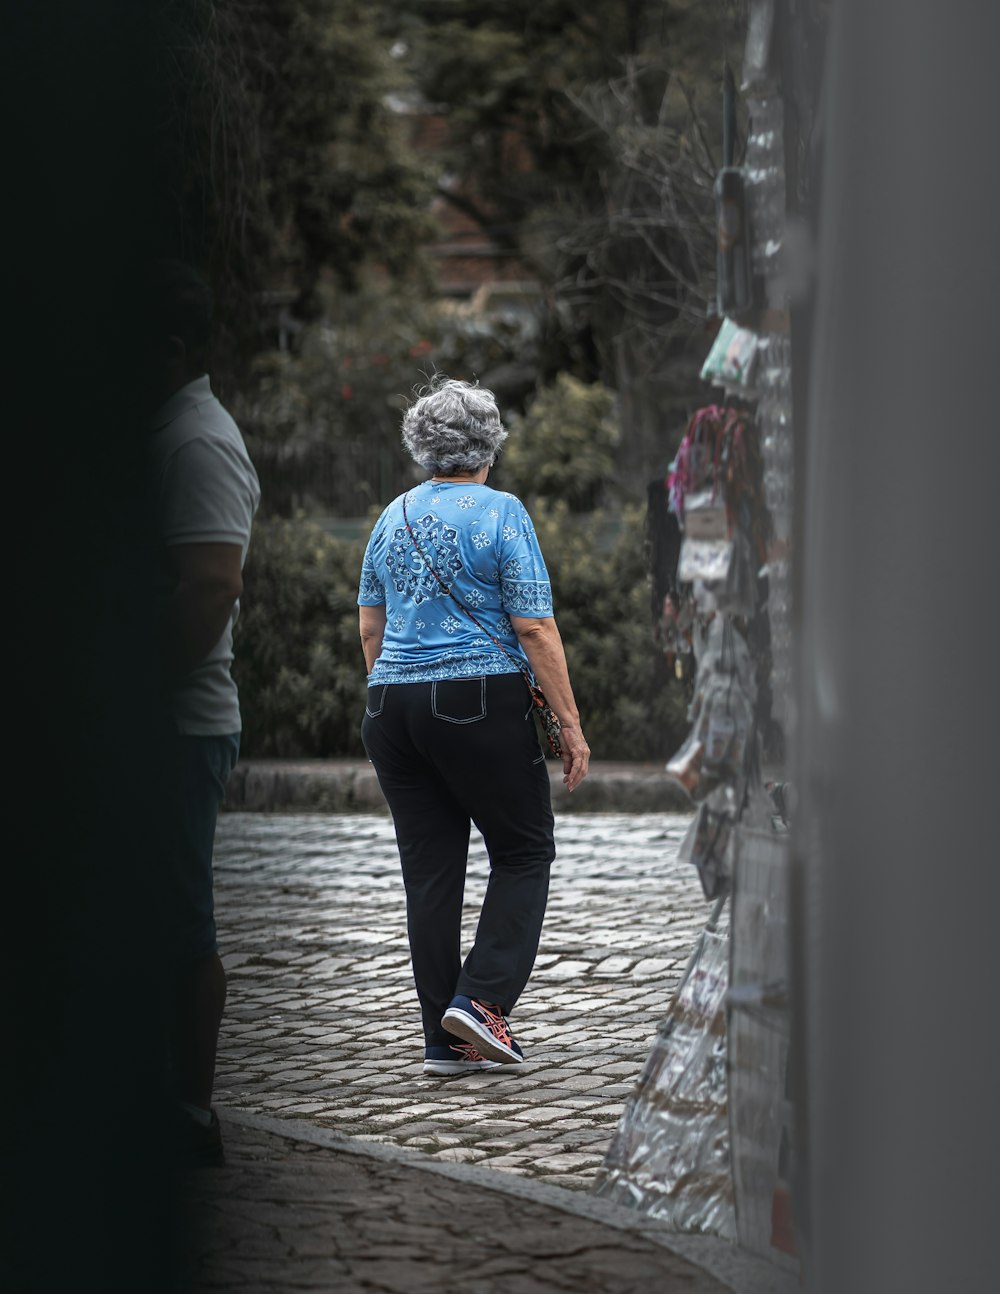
<point x="544" y="650"/>
<point x="372" y="621"/>
<point x="208" y="584"/>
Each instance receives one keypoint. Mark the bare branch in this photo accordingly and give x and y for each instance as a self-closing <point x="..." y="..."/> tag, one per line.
<point x="652" y="252"/>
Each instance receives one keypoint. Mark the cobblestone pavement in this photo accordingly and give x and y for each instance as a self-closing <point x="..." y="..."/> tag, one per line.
<point x="322" y="1021"/>
<point x="286" y="1215"/>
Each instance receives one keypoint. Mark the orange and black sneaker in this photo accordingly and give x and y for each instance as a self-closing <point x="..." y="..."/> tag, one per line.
<point x="455" y="1058"/>
<point x="485" y="1027"/>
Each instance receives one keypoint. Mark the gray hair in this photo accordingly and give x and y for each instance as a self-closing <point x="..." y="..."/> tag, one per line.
<point x="453" y="427"/>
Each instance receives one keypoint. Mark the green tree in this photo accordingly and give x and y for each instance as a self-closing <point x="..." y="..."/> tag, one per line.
<point x="564" y="445"/>
<point x="298" y="662"/>
<point x="323" y="422"/>
<point x="585" y="140"/>
<point x="283" y="161"/>
<point x="631" y="705"/>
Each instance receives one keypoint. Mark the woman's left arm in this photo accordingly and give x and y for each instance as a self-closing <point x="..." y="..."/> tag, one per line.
<point x="544" y="650"/>
<point x="372" y="621"/>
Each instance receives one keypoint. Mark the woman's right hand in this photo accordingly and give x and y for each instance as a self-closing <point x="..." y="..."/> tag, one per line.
<point x="575" y="756"/>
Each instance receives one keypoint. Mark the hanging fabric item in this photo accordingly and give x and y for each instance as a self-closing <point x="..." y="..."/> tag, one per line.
<point x="670" y="607"/>
<point x="716" y="494"/>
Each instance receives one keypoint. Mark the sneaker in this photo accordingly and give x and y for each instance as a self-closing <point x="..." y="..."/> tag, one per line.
<point x="455" y="1058"/>
<point x="485" y="1028"/>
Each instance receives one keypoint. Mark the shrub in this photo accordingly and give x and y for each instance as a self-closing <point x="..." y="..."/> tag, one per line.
<point x="298" y="663"/>
<point x="322" y="423"/>
<point x="632" y="707"/>
<point x="301" y="673"/>
<point x="564" y="445"/>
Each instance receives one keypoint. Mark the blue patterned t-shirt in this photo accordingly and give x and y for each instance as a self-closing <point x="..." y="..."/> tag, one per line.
<point x="482" y="544"/>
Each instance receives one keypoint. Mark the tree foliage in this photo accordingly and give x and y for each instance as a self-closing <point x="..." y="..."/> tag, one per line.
<point x="585" y="141"/>
<point x="323" y="422"/>
<point x="632" y="707"/>
<point x="563" y="448"/>
<point x="298" y="663"/>
<point x="283" y="161"/>
<point x="579" y="138"/>
<point x="582" y="136"/>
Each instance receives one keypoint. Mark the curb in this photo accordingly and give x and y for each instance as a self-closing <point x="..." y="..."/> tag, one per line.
<point x="742" y="1272"/>
<point x="350" y="786"/>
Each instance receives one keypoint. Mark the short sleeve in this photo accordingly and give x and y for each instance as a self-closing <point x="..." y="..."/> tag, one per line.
<point x="525" y="589"/>
<point x="209" y="495"/>
<point x="371" y="592"/>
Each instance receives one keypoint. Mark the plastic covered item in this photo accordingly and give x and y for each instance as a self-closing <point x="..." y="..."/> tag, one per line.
<point x="760" y="1112"/>
<point x="669" y="1157"/>
<point x="706" y="516"/>
<point x="673" y="629"/>
<point x="706" y="846"/>
<point x="732" y="359"/>
<point x="722" y="649"/>
<point x="736" y="595"/>
<point x="721" y="712"/>
<point x="758" y="54"/>
<point x="685" y="765"/>
<point x="729" y="711"/>
<point x="707" y="560"/>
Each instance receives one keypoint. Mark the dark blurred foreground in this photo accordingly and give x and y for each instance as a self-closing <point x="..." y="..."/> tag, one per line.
<point x="89" y="1200"/>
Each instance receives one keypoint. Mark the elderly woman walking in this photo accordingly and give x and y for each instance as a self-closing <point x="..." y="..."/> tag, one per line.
<point x="455" y="609"/>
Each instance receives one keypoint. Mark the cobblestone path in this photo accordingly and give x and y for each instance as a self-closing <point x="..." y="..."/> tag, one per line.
<point x="322" y="1020"/>
<point x="284" y="1215"/>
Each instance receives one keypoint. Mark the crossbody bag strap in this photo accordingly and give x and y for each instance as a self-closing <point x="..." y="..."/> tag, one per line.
<point x="461" y="605"/>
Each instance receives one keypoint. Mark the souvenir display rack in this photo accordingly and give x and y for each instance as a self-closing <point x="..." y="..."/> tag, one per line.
<point x="705" y="1139"/>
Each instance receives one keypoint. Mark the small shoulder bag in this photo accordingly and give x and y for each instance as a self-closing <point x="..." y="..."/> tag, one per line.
<point x="544" y="714"/>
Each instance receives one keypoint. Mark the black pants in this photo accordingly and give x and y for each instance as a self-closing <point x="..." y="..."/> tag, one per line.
<point x="448" y="754"/>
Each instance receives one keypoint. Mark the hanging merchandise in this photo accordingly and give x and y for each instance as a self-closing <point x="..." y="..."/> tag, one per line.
<point x="716" y="493"/>
<point x="760" y="1115"/>
<point x="706" y="1139"/>
<point x="734" y="291"/>
<point x="672" y="630"/>
<point x="707" y="560"/>
<point x="706" y="845"/>
<point x="732" y="361"/>
<point x="670" y="1154"/>
<point x="736" y="593"/>
<point x="758" y="54"/>
<point x="721" y="715"/>
<point x="685" y="766"/>
<point x="711" y="840"/>
<point x="671" y="609"/>
<point x="711" y="847"/>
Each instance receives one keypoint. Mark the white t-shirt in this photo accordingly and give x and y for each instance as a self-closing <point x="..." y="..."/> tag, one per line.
<point x="205" y="491"/>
